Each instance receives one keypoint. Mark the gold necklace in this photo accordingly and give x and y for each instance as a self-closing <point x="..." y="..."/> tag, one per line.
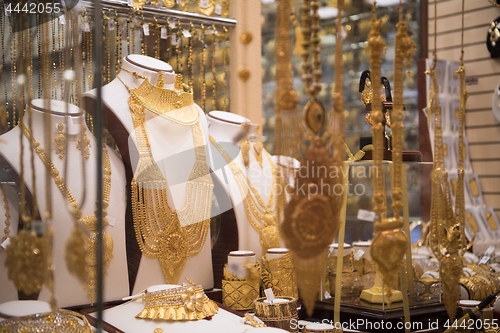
<point x="263" y="217"/>
<point x="163" y="233"/>
<point x="74" y="258"/>
<point x="6" y="230"/>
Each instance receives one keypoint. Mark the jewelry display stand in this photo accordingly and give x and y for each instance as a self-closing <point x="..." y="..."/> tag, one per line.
<point x="224" y="127"/>
<point x="68" y="290"/>
<point x="173" y="150"/>
<point x="8" y="290"/>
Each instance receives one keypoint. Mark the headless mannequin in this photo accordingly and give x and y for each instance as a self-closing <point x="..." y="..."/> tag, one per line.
<point x="223" y="127"/>
<point x="68" y="290"/>
<point x="172" y="148"/>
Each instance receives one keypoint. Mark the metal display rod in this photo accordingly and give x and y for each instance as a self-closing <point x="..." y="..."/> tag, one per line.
<point x="117" y="4"/>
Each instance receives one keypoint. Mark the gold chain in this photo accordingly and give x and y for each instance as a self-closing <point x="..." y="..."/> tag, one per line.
<point x="494" y="3"/>
<point x="6" y="230"/>
<point x="257" y="211"/>
<point x="90" y="221"/>
<point x="310" y="44"/>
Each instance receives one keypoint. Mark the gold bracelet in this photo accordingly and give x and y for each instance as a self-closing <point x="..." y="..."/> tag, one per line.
<point x="483" y="285"/>
<point x="472" y="289"/>
<point x="58" y="321"/>
<point x="279" y="275"/>
<point x="182" y="303"/>
<point x="277" y="314"/>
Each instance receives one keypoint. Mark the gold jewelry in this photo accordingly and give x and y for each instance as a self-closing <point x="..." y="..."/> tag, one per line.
<point x="60" y="321"/>
<point x="225" y="99"/>
<point x="182" y="303"/>
<point x="75" y="256"/>
<point x="263" y="217"/>
<point x="169" y="3"/>
<point x="279" y="275"/>
<point x="60" y="141"/>
<point x="494" y="3"/>
<point x="245" y="152"/>
<point x="238" y="293"/>
<point x="208" y="9"/>
<point x="252" y="321"/>
<point x="277" y="314"/>
<point x="6" y="230"/>
<point x="163" y="233"/>
<point x="482" y="284"/>
<point x="158" y="330"/>
<point x="83" y="144"/>
<point x="258" y="147"/>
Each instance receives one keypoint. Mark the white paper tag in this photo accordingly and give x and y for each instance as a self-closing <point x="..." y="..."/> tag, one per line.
<point x="489" y="251"/>
<point x="359" y="254"/>
<point x="111" y="220"/>
<point x="163" y="33"/>
<point x="484" y="260"/>
<point x="86" y="27"/>
<point x="253" y="138"/>
<point x="199" y="36"/>
<point x="7" y="12"/>
<point x="171" y="25"/>
<point x="186" y="34"/>
<point x="5" y="243"/>
<point x="203" y="4"/>
<point x="327" y="295"/>
<point x="218" y="9"/>
<point x="111" y="25"/>
<point x="269" y="294"/>
<point x="131" y="3"/>
<point x="62" y="19"/>
<point x="173" y="39"/>
<point x="366" y="215"/>
<point x="145" y="27"/>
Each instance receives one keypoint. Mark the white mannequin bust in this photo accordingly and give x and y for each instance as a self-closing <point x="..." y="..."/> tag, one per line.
<point x="224" y="127"/>
<point x="172" y="148"/>
<point x="69" y="291"/>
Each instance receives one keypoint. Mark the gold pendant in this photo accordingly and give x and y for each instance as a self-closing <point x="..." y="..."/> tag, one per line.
<point x="173" y="254"/>
<point x="169" y="3"/>
<point x="314" y="116"/>
<point x="245" y="152"/>
<point x="60" y="141"/>
<point x="209" y="9"/>
<point x="27" y="261"/>
<point x="269" y="238"/>
<point x="76" y="254"/>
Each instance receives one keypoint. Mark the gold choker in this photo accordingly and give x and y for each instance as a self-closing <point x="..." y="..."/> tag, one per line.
<point x="60" y="321"/>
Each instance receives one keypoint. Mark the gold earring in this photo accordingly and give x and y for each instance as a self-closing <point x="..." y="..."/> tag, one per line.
<point x="60" y="141"/>
<point x="257" y="147"/>
<point x="245" y="152"/>
<point x="83" y="143"/>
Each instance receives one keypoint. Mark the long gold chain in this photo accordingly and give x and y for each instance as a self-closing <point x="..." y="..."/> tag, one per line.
<point x="6" y="230"/>
<point x="163" y="233"/>
<point x="89" y="221"/>
<point x="310" y="44"/>
<point x="257" y="211"/>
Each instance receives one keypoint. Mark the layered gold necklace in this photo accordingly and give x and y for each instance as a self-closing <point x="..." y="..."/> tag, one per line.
<point x="447" y="227"/>
<point x="162" y="232"/>
<point x="263" y="217"/>
<point x="80" y="249"/>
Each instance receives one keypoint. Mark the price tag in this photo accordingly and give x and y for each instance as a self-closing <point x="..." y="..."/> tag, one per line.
<point x="86" y="27"/>
<point x="171" y="25"/>
<point x="7" y="11"/>
<point x="163" y="33"/>
<point x="173" y="39"/>
<point x="145" y="27"/>
<point x="253" y="138"/>
<point x="484" y="260"/>
<point x="366" y="215"/>
<point x="269" y="294"/>
<point x="359" y="254"/>
<point x="218" y="9"/>
<point x="327" y="295"/>
<point x="186" y="34"/>
<point x="111" y="221"/>
<point x="131" y="3"/>
<point x="489" y="251"/>
<point x="204" y="4"/>
<point x="62" y="19"/>
<point x="5" y="243"/>
<point x="111" y="25"/>
<point x="199" y="36"/>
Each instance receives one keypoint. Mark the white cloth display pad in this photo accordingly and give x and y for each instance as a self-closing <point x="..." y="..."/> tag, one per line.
<point x="172" y="146"/>
<point x="8" y="291"/>
<point x="68" y="290"/>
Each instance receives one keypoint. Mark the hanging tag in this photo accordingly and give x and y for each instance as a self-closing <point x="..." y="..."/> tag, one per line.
<point x="484" y="260"/>
<point x="145" y="27"/>
<point x="111" y="25"/>
<point x="203" y="4"/>
<point x="111" y="221"/>
<point x="199" y="36"/>
<point x="366" y="215"/>
<point x="489" y="251"/>
<point x="186" y="34"/>
<point x="327" y="295"/>
<point x="62" y="19"/>
<point x="171" y="25"/>
<point x="359" y="254"/>
<point x="86" y="27"/>
<point x="163" y="33"/>
<point x="253" y="138"/>
<point x="173" y="39"/>
<point x="5" y="243"/>
<point x="218" y="10"/>
<point x="269" y="294"/>
<point x="131" y="3"/>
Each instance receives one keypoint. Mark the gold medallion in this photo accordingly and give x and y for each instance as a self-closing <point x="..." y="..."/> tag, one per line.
<point x="314" y="116"/>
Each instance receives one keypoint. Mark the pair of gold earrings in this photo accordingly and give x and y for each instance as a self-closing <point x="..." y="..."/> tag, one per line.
<point x="59" y="143"/>
<point x="245" y="150"/>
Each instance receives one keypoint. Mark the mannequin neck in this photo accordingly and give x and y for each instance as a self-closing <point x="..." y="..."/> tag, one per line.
<point x="142" y="65"/>
<point x="225" y="126"/>
<point x="72" y="118"/>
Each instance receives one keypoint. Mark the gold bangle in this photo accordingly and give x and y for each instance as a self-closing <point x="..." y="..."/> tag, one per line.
<point x="472" y="289"/>
<point x="277" y="314"/>
<point x="483" y="284"/>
